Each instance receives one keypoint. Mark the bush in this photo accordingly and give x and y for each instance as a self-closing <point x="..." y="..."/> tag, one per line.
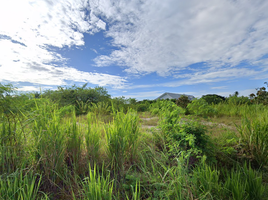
<point x="162" y="105"/>
<point x="213" y="98"/>
<point x="80" y="97"/>
<point x="187" y="136"/>
<point x="183" y="101"/>
<point x="181" y="136"/>
<point x="234" y="100"/>
<point x="142" y="107"/>
<point x="201" y="107"/>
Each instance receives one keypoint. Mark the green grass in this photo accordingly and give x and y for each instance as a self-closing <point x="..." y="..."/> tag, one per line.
<point x="46" y="153"/>
<point x="21" y="185"/>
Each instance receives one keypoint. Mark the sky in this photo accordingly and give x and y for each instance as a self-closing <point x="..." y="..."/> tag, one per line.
<point x="135" y="48"/>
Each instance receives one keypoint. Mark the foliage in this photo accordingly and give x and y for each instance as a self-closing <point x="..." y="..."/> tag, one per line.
<point x="100" y="108"/>
<point x="80" y="97"/>
<point x="161" y="105"/>
<point x="122" y="141"/>
<point x="20" y="185"/>
<point x="46" y="149"/>
<point x="235" y="100"/>
<point x="10" y="102"/>
<point x="254" y="133"/>
<point x="122" y="104"/>
<point x="201" y="108"/>
<point x="213" y="98"/>
<point x="183" y="101"/>
<point x="97" y="186"/>
<point x="181" y="136"/>
<point x="261" y="95"/>
<point x="244" y="183"/>
<point x="93" y="139"/>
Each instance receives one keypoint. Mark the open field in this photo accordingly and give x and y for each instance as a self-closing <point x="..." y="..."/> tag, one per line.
<point x="50" y="152"/>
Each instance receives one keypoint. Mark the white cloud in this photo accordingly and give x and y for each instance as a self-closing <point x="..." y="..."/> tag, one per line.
<point x="28" y="88"/>
<point x="150" y="36"/>
<point x="219" y="87"/>
<point x="204" y="77"/>
<point x="28" y="30"/>
<point x="35" y="70"/>
<point x="144" y="95"/>
<point x="164" y="36"/>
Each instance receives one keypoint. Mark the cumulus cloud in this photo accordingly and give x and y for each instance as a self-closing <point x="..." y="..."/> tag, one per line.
<point x="168" y="36"/>
<point x="29" y="30"/>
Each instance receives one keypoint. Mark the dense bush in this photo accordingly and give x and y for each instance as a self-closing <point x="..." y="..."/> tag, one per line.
<point x="201" y="108"/>
<point x="80" y="97"/>
<point x="183" y="101"/>
<point x="213" y="98"/>
<point x="161" y="105"/>
<point x="142" y="107"/>
<point x="235" y="100"/>
<point x="181" y="136"/>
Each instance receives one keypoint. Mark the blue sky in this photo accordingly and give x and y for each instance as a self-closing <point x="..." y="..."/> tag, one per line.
<point x="135" y="48"/>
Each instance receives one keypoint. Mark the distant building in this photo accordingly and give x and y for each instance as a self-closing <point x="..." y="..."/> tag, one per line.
<point x="169" y="95"/>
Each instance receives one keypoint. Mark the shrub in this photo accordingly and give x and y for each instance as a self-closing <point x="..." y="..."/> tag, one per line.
<point x="201" y="107"/>
<point x="181" y="136"/>
<point x="213" y="98"/>
<point x="162" y="105"/>
<point x="234" y="100"/>
<point x="142" y="107"/>
<point x="183" y="101"/>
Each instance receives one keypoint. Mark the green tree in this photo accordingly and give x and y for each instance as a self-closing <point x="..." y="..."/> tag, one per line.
<point x="183" y="101"/>
<point x="80" y="97"/>
<point x="213" y="98"/>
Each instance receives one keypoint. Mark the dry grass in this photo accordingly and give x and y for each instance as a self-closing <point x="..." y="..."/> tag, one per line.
<point x="218" y="126"/>
<point x="150" y="121"/>
<point x="146" y="114"/>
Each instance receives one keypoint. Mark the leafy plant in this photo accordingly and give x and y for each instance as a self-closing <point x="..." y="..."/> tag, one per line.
<point x="183" y="101"/>
<point x="213" y="98"/>
<point x="201" y="107"/>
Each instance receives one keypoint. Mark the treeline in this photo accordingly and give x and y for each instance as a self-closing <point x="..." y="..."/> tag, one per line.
<point x="83" y="99"/>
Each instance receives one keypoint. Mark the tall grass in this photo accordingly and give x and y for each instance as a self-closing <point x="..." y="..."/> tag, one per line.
<point x="244" y="183"/>
<point x="74" y="144"/>
<point x="93" y="139"/>
<point x="21" y="185"/>
<point x="12" y="154"/>
<point x="101" y="108"/>
<point x="230" y="109"/>
<point x="50" y="139"/>
<point x="122" y="141"/>
<point x="98" y="160"/>
<point x="97" y="186"/>
<point x="254" y="133"/>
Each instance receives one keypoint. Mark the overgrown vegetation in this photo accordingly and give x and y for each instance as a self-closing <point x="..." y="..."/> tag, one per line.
<point x="78" y="143"/>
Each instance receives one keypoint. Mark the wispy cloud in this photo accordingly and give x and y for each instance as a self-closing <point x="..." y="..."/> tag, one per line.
<point x="167" y="36"/>
<point x="204" y="77"/>
<point x="142" y="95"/>
<point x="219" y="87"/>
